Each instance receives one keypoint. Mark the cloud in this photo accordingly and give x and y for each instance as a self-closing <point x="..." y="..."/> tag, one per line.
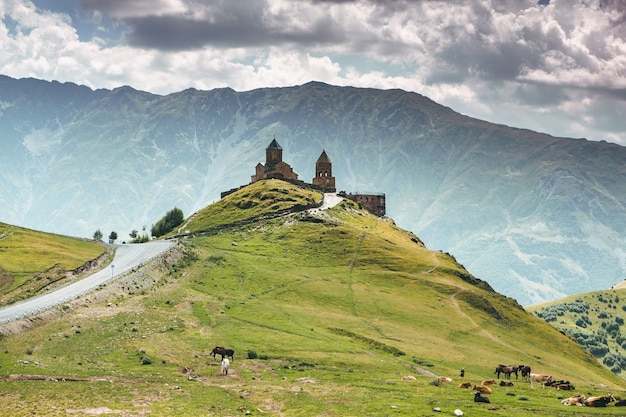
<point x="553" y="66"/>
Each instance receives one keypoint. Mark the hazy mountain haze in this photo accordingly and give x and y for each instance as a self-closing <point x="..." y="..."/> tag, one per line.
<point x="536" y="216"/>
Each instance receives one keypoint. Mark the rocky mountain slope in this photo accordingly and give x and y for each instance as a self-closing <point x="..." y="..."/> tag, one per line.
<point x="538" y="217"/>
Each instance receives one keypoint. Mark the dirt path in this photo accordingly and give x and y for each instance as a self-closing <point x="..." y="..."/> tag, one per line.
<point x="435" y="263"/>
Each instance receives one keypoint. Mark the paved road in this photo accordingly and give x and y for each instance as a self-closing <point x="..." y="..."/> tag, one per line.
<point x="126" y="258"/>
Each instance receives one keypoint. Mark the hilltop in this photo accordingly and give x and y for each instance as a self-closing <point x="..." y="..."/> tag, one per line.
<point x="327" y="311"/>
<point x="534" y="215"/>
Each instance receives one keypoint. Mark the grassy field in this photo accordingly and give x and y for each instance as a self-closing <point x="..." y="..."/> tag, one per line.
<point x="326" y="312"/>
<point x="596" y="320"/>
<point x="32" y="260"/>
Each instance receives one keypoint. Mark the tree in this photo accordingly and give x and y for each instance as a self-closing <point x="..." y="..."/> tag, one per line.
<point x="112" y="237"/>
<point x="133" y="234"/>
<point x="172" y="219"/>
<point x="97" y="235"/>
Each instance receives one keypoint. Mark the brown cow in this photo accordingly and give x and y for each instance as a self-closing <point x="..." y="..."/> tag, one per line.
<point x="489" y="382"/>
<point x="543" y="378"/>
<point x="578" y="400"/>
<point x="482" y="390"/>
<point x="465" y="385"/>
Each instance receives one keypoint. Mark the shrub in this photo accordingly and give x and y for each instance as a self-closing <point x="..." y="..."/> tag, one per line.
<point x="146" y="360"/>
<point x="252" y="354"/>
<point x="171" y="220"/>
<point x="597" y="350"/>
<point x="611" y="327"/>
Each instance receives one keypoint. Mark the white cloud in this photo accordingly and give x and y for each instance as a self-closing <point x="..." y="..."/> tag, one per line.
<point x="559" y="69"/>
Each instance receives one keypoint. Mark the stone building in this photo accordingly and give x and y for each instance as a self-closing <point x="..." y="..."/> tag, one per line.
<point x="274" y="166"/>
<point x="375" y="203"/>
<point x="324" y="181"/>
<point x="324" y="173"/>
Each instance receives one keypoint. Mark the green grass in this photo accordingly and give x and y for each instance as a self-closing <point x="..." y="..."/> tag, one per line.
<point x="338" y="310"/>
<point x="30" y="260"/>
<point x="261" y="198"/>
<point x="599" y="327"/>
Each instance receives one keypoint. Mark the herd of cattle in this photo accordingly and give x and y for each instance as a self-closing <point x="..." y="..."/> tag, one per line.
<point x="544" y="379"/>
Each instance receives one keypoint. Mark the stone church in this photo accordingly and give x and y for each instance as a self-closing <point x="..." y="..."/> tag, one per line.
<point x="275" y="167"/>
<point x="324" y="181"/>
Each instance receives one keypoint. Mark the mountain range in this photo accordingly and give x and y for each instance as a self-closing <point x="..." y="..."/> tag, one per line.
<point x="536" y="216"/>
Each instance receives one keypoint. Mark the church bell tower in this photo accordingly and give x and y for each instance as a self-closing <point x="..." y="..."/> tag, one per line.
<point x="324" y="173"/>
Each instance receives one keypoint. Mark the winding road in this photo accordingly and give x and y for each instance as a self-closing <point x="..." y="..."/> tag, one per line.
<point x="126" y="258"/>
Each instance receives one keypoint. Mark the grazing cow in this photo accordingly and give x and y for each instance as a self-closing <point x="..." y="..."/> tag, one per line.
<point x="506" y="384"/>
<point x="525" y="370"/>
<point x="225" y="365"/>
<point x="543" y="378"/>
<point x="489" y="382"/>
<point x="218" y="350"/>
<point x="480" y="399"/>
<point x="465" y="385"/>
<point x="507" y="370"/>
<point x="482" y="390"/>
<point x="600" y="401"/>
<point x="578" y="400"/>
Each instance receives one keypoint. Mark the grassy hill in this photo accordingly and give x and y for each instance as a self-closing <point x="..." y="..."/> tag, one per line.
<point x="31" y="261"/>
<point x="595" y="320"/>
<point x="327" y="312"/>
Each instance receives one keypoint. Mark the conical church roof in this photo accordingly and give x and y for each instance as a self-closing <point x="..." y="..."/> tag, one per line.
<point x="274" y="145"/>
<point x="323" y="158"/>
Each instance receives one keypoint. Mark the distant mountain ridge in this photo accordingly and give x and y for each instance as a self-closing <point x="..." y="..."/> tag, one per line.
<point x="538" y="217"/>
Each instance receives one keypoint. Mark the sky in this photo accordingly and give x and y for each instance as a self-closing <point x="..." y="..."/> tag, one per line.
<point x="553" y="66"/>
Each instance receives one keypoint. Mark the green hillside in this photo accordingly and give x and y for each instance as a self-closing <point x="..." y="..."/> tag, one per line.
<point x="257" y="201"/>
<point x="595" y="320"/>
<point x="327" y="311"/>
<point x="32" y="260"/>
